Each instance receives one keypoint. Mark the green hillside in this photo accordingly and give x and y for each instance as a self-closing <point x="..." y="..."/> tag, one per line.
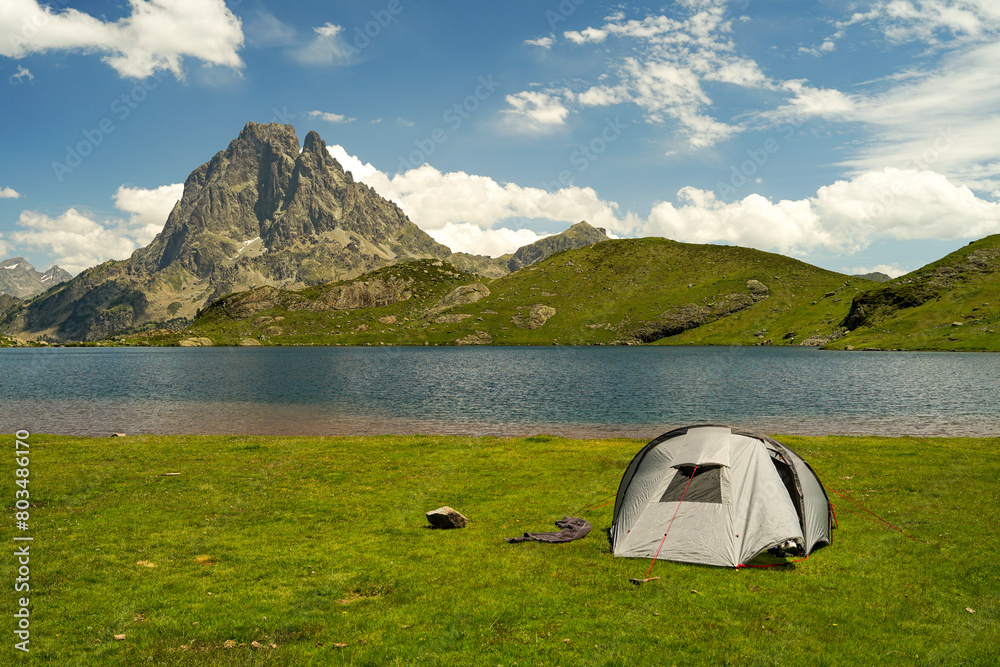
<point x="634" y="291"/>
<point x="951" y="304"/>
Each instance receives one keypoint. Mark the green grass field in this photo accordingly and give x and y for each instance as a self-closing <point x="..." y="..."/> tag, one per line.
<point x="315" y="551"/>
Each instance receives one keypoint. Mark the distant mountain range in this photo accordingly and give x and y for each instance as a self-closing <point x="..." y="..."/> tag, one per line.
<point x="273" y="244"/>
<point x="18" y="278"/>
<point x="261" y="212"/>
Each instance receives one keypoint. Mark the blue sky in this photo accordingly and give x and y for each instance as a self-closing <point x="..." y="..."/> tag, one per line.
<point x="855" y="136"/>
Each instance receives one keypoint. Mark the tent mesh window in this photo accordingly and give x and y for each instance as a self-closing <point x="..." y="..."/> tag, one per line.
<point x="705" y="487"/>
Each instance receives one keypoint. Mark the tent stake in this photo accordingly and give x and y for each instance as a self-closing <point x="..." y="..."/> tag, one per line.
<point x="639" y="582"/>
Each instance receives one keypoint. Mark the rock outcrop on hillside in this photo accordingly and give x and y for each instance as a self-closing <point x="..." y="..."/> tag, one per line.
<point x="579" y="235"/>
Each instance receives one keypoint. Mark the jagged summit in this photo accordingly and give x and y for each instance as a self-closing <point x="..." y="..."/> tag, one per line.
<point x="20" y="279"/>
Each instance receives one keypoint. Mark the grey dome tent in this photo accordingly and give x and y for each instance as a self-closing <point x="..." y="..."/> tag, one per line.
<point x="718" y="496"/>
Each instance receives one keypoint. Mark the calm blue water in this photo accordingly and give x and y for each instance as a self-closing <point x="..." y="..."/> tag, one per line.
<point x="580" y="391"/>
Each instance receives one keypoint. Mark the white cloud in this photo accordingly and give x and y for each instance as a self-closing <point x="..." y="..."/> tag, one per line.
<point x="593" y="35"/>
<point x="809" y="102"/>
<point x="842" y="218"/>
<point x="73" y="240"/>
<point x="149" y="209"/>
<point x="891" y="270"/>
<point x="476" y="240"/>
<point x="828" y="46"/>
<point x="21" y="74"/>
<point x="434" y="200"/>
<point x="76" y="241"/>
<point x="331" y="117"/>
<point x="602" y="96"/>
<point x="535" y="111"/>
<point x="359" y="170"/>
<point x="790" y="227"/>
<point x="942" y="116"/>
<point x="544" y="42"/>
<point x="326" y="48"/>
<point x="945" y="120"/>
<point x="9" y="193"/>
<point x="930" y="21"/>
<point x="157" y="35"/>
<point x="660" y="66"/>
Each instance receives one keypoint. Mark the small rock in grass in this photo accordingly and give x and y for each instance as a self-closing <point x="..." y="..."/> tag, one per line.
<point x="446" y="517"/>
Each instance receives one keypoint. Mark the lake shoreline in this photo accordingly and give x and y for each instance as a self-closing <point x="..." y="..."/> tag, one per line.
<point x="506" y="391"/>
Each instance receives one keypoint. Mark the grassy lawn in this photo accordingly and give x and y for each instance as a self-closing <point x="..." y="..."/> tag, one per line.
<point x="315" y="551"/>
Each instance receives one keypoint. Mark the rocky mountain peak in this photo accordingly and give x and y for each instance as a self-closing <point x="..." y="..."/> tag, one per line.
<point x="20" y="279"/>
<point x="260" y="212"/>
<point x="273" y="135"/>
<point x="579" y="235"/>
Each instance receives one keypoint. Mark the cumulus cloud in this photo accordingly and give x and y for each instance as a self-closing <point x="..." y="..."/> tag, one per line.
<point x="842" y="218"/>
<point x="9" y="193"/>
<point x="148" y="209"/>
<point x="790" y="227"/>
<point x="157" y="35"/>
<point x="476" y="240"/>
<point x="331" y="117"/>
<point x="456" y="204"/>
<point x="535" y="111"/>
<point x="76" y="241"/>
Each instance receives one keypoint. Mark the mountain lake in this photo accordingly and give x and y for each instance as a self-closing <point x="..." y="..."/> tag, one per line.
<point x="571" y="391"/>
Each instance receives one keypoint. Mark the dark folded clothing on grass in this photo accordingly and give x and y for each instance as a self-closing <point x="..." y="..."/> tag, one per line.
<point x="573" y="528"/>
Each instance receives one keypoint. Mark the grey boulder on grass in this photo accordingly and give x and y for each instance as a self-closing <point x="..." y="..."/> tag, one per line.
<point x="446" y="517"/>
